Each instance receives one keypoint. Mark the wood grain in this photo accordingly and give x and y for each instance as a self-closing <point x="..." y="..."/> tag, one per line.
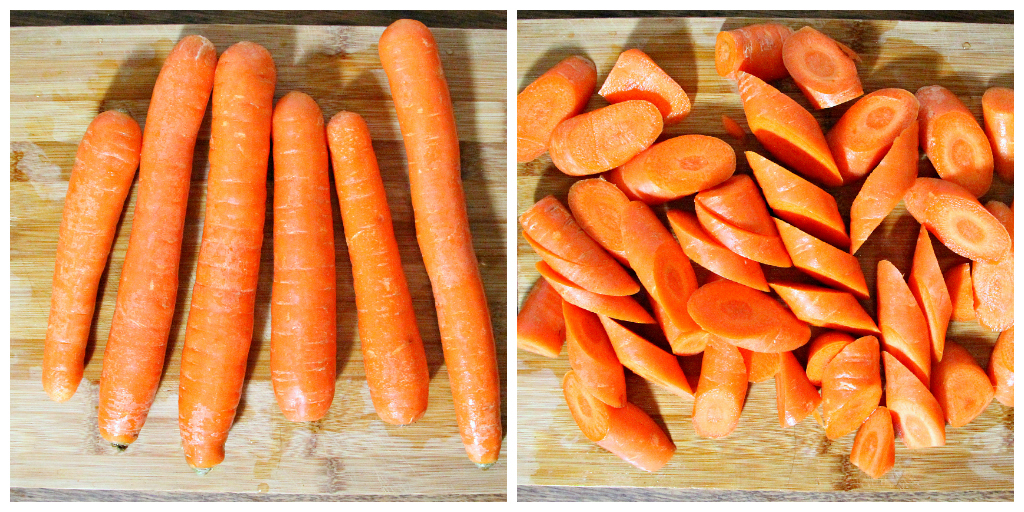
<point x="759" y="456"/>
<point x="61" y="78"/>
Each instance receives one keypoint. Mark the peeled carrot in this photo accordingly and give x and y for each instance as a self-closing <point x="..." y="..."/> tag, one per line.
<point x="755" y="49"/>
<point x="746" y="318"/>
<point x="903" y="323"/>
<point x="953" y="140"/>
<point x="560" y="93"/>
<point x="675" y="168"/>
<point x="603" y="139"/>
<point x="867" y="130"/>
<point x="823" y="70"/>
<point x="220" y="319"/>
<point x="760" y="366"/>
<point x="825" y="263"/>
<point x="100" y="182"/>
<point x="961" y="387"/>
<point x="722" y="388"/>
<point x="738" y="201"/>
<point x="133" y="360"/>
<point x="765" y="249"/>
<point x="708" y="253"/>
<point x="787" y="130"/>
<point x="874" y="448"/>
<point x="929" y="289"/>
<point x="682" y="343"/>
<point x="1000" y="368"/>
<point x="916" y="415"/>
<point x="997" y="112"/>
<point x="993" y="292"/>
<point x="957" y="219"/>
<point x="540" y="327"/>
<point x="795" y="396"/>
<point x="635" y="76"/>
<point x="393" y="356"/>
<point x="733" y="128"/>
<point x="823" y="348"/>
<point x="961" y="292"/>
<point x="825" y="307"/>
<point x="592" y="357"/>
<point x="627" y="432"/>
<point x="884" y="187"/>
<point x="621" y="308"/>
<point x="596" y="205"/>
<point x="851" y="387"/>
<point x="646" y="359"/>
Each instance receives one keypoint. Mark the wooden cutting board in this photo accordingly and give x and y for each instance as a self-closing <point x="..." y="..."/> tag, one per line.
<point x="60" y="79"/>
<point x="759" y="455"/>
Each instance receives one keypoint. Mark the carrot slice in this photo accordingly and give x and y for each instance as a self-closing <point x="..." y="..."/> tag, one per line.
<point x="605" y="138"/>
<point x="592" y="357"/>
<point x="1004" y="214"/>
<point x="675" y="168"/>
<point x="560" y="93"/>
<point x="823" y="262"/>
<point x="622" y="308"/>
<point x="961" y="292"/>
<point x="721" y="390"/>
<point x="997" y="112"/>
<point x="993" y="292"/>
<point x="683" y="343"/>
<point x="738" y="201"/>
<point x="929" y="289"/>
<point x="851" y="387"/>
<point x="1000" y="368"/>
<point x="646" y="359"/>
<point x="787" y="130"/>
<point x="760" y="366"/>
<point x="957" y="219"/>
<point x="874" y="448"/>
<point x="867" y="130"/>
<point x="903" y="324"/>
<point x="884" y="187"/>
<point x="960" y="386"/>
<point x="825" y="307"/>
<point x="916" y="414"/>
<point x="760" y="248"/>
<point x="821" y="68"/>
<point x="708" y="253"/>
<point x="635" y="76"/>
<point x="755" y="49"/>
<point x="627" y="432"/>
<point x="954" y="141"/>
<point x="540" y="327"/>
<point x="822" y="350"/>
<point x="795" y="396"/>
<point x="798" y="201"/>
<point x="746" y="318"/>
<point x="597" y="204"/>
<point x="733" y="128"/>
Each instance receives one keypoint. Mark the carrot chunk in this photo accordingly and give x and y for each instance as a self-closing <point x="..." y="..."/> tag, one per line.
<point x="675" y="168"/>
<point x="795" y="396"/>
<point x="1004" y="214"/>
<point x="825" y="307"/>
<point x="560" y="93"/>
<point x="957" y="219"/>
<point x="960" y="386"/>
<point x="592" y="357"/>
<point x="916" y="414"/>
<point x="540" y="327"/>
<point x="954" y="141"/>
<point x="929" y="289"/>
<point x="997" y="112"/>
<point x="733" y="128"/>
<point x="683" y="343"/>
<point x="635" y="76"/>
<point x="961" y="292"/>
<point x="993" y="292"/>
<point x="622" y="308"/>
<point x="1000" y="368"/>
<point x="746" y="318"/>
<point x="605" y="138"/>
<point x="874" y="448"/>
<point x="823" y="262"/>
<point x="739" y="202"/>
<point x="884" y="187"/>
<point x="903" y="324"/>
<point x="722" y="388"/>
<point x="821" y="68"/>
<point x="823" y="348"/>
<point x="761" y="366"/>
<point x="596" y="205"/>
<point x="755" y="49"/>
<point x="646" y="359"/>
<point x="708" y="253"/>
<point x="867" y="130"/>
<point x="851" y="387"/>
<point x="761" y="248"/>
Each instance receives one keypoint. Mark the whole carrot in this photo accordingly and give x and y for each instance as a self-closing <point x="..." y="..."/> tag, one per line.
<point x="393" y="355"/>
<point x="410" y="59"/>
<point x="100" y="181"/>
<point x="220" y="319"/>
<point x="146" y="295"/>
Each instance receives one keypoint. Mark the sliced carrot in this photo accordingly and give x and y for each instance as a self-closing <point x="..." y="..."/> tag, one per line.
<point x="957" y="219"/>
<point x="904" y="326"/>
<point x="755" y="49"/>
<point x="733" y="128"/>
<point x="722" y="388"/>
<point x="823" y="262"/>
<point x="621" y="308"/>
<point x="1000" y="368"/>
<point x="795" y="396"/>
<point x="560" y="93"/>
<point x="884" y="187"/>
<point x="798" y="201"/>
<point x="997" y="112"/>
<point x="954" y="141"/>
<point x="646" y="359"/>
<point x="1004" y="214"/>
<point x="929" y="289"/>
<point x="540" y="327"/>
<point x="993" y="292"/>
<point x="867" y="130"/>
<point x="683" y="343"/>
<point x="851" y="387"/>
<point x="760" y="366"/>
<point x="596" y="205"/>
<point x="825" y="307"/>
<point x="916" y="414"/>
<point x="675" y="168"/>
<point x="592" y="357"/>
<point x="635" y="76"/>
<point x="874" y="448"/>
<point x="821" y="68"/>
<point x="960" y="386"/>
<point x="761" y="248"/>
<point x="822" y="350"/>
<point x="708" y="253"/>
<point x="961" y="292"/>
<point x="738" y="201"/>
<point x="746" y="318"/>
<point x="603" y="139"/>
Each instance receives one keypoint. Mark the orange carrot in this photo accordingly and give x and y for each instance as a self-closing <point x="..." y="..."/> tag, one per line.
<point x="957" y="219"/>
<point x="635" y="76"/>
<point x="738" y="201"/>
<point x="761" y="248"/>
<point x="596" y="205"/>
<point x="675" y="168"/>
<point x="997" y="111"/>
<point x="755" y="49"/>
<point x="904" y="326"/>
<point x="884" y="187"/>
<point x="760" y="366"/>
<point x="733" y="128"/>
<point x="708" y="253"/>
<point x="718" y="401"/>
<point x="1000" y="368"/>
<point x="960" y="386"/>
<point x="646" y="359"/>
<point x="993" y="292"/>
<point x="746" y="318"/>
<point x="795" y="396"/>
<point x="916" y="415"/>
<point x="540" y="327"/>
<point x="953" y="140"/>
<point x="603" y="139"/>
<point x="100" y="182"/>
<point x="133" y="360"/>
<point x="874" y="448"/>
<point x="825" y="307"/>
<point x="929" y="289"/>
<point x="560" y="93"/>
<point x="961" y="292"/>
<point x="393" y="355"/>
<point x="592" y="357"/>
<point x="621" y="308"/>
<point x="822" y="261"/>
<point x="867" y="130"/>
<point x="220" y="319"/>
<point x="822" y="69"/>
<point x="682" y="343"/>
<point x="787" y="130"/>
<point x="1004" y="214"/>
<point x="851" y="387"/>
<point x="627" y="432"/>
<point x="822" y="350"/>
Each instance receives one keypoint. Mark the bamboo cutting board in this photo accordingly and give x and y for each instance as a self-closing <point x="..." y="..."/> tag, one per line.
<point x="60" y="79"/>
<point x="759" y="455"/>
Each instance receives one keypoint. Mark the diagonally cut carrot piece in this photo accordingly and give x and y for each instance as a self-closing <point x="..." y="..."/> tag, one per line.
<point x="760" y="248"/>
<point x="1002" y="213"/>
<point x="961" y="387"/>
<point x="903" y="324"/>
<point x="884" y="187"/>
<point x="795" y="396"/>
<point x="850" y="387"/>
<point x="596" y="205"/>
<point x="874" y="448"/>
<point x="867" y="130"/>
<point x="733" y="128"/>
<point x="560" y="93"/>
<point x="646" y="359"/>
<point x="822" y="350"/>
<point x="592" y="357"/>
<point x="957" y="219"/>
<point x="683" y="343"/>
<point x="822" y="261"/>
<point x="738" y="202"/>
<point x="540" y="328"/>
<point x="825" y="307"/>
<point x="954" y="141"/>
<point x="722" y="388"/>
<point x="993" y="282"/>
<point x="929" y="289"/>
<point x="755" y="49"/>
<point x="1000" y="368"/>
<point x="821" y="68"/>
<point x="603" y="139"/>
<point x="708" y="253"/>
<point x="746" y="317"/>
<point x="997" y="112"/>
<point x="635" y="76"/>
<point x="622" y="308"/>
<point x="675" y="168"/>
<point x="761" y="366"/>
<point x="961" y="292"/>
<point x="916" y="414"/>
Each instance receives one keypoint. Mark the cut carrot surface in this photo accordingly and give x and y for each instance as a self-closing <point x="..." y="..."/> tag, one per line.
<point x="675" y="168"/>
<point x="904" y="326"/>
<point x="708" y="253"/>
<point x="721" y="391"/>
<point x="874" y="448"/>
<point x="635" y="76"/>
<point x="916" y="415"/>
<point x="540" y="326"/>
<point x="739" y="202"/>
<point x="596" y="205"/>
<point x="621" y="308"/>
<point x="961" y="292"/>
<point x="957" y="219"/>
<point x="993" y="292"/>
<point x="867" y="130"/>
<point x="646" y="359"/>
<point x="795" y="396"/>
<point x="603" y="139"/>
<point x="1004" y="214"/>
<point x="1000" y="368"/>
<point x="746" y="317"/>
<point x="825" y="307"/>
<point x="733" y="128"/>
<point x="823" y="348"/>
<point x="560" y="93"/>
<point x="760" y="366"/>
<point x="755" y="49"/>
<point x="961" y="387"/>
<point x="761" y="248"/>
<point x="851" y="387"/>
<point x="821" y="68"/>
<point x="884" y="188"/>
<point x="929" y="288"/>
<point x="997" y="112"/>
<point x="954" y="141"/>
<point x="592" y="357"/>
<point x="683" y="343"/>
<point x="822" y="261"/>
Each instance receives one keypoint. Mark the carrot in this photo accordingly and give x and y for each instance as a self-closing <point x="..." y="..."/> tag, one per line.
<point x="903" y="323"/>
<point x="825" y="307"/>
<point x="823" y="262"/>
<point x="722" y="388"/>
<point x="100" y="182"/>
<point x="596" y="205"/>
<point x="795" y="396"/>
<point x="993" y="292"/>
<point x="133" y="359"/>
<point x="884" y="187"/>
<point x="755" y="49"/>
<point x="867" y="130"/>
<point x="738" y="202"/>
<point x="592" y="357"/>
<point x="646" y="359"/>
<point x="961" y="387"/>
<point x="929" y="289"/>
<point x="760" y="366"/>
<point x="555" y="235"/>
<point x="874" y="448"/>
<point x="733" y="128"/>
<point x="603" y="139"/>
<point x="627" y="432"/>
<point x="635" y="76"/>
<point x="708" y="253"/>
<point x="760" y="248"/>
<point x="303" y="321"/>
<point x="823" y="348"/>
<point x="393" y="355"/>
<point x="410" y="59"/>
<point x="540" y="327"/>
<point x="621" y="308"/>
<point x="1000" y="368"/>
<point x="746" y="318"/>
<point x="560" y="93"/>
<point x="916" y="415"/>
<point x="1004" y="214"/>
<point x="798" y="201"/>
<point x="675" y="168"/>
<point x="851" y="387"/>
<point x="220" y="319"/>
<point x="823" y="70"/>
<point x="787" y="130"/>
<point x="997" y="112"/>
<point x="953" y="140"/>
<point x="961" y="292"/>
<point x="957" y="219"/>
<point x="682" y="343"/>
